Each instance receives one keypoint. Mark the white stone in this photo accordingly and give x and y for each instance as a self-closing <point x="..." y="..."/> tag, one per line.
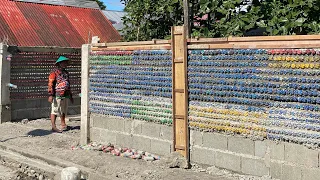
<point x="70" y="173"/>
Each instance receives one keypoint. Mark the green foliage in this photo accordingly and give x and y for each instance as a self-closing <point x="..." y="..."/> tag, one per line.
<point x="101" y="4"/>
<point x="149" y="19"/>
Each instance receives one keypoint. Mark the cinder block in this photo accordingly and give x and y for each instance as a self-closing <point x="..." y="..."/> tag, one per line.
<point x="25" y="114"/>
<point x="141" y="143"/>
<point x="150" y="130"/>
<point x="95" y="135"/>
<point x="98" y="121"/>
<point x="107" y="136"/>
<point x="301" y="155"/>
<point x="137" y="128"/>
<point x="276" y="170"/>
<point x="203" y="156"/>
<point x="127" y="126"/>
<point x="291" y="172"/>
<point x="16" y="105"/>
<point x="214" y="140"/>
<point x="255" y="167"/>
<point x="310" y="173"/>
<point x="196" y="138"/>
<point x="160" y="147"/>
<point x="260" y="148"/>
<point x="276" y="150"/>
<point x="228" y="161"/>
<point x="14" y="115"/>
<point x="240" y="145"/>
<point x="124" y="140"/>
<point x="114" y="124"/>
<point x="166" y="132"/>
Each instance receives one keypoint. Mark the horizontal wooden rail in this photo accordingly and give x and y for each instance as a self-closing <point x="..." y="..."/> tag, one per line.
<point x="134" y="43"/>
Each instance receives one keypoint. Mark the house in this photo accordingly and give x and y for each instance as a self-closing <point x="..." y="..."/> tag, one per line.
<point x="37" y="24"/>
<point x="116" y="18"/>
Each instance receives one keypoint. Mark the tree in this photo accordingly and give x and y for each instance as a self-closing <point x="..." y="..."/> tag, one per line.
<point x="148" y="19"/>
<point x="151" y="19"/>
<point x="101" y="4"/>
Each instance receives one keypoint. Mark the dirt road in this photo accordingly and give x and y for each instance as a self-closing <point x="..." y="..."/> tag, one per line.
<point x="35" y="139"/>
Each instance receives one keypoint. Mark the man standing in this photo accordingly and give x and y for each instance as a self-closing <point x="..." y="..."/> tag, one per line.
<point x="59" y="93"/>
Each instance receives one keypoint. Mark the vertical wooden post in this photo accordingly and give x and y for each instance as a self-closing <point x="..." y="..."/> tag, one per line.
<point x="186" y="17"/>
<point x="85" y="116"/>
<point x="180" y="90"/>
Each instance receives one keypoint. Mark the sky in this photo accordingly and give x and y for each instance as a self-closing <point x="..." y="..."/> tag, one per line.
<point x="113" y="5"/>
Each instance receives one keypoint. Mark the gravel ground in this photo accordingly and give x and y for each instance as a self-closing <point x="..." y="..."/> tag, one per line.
<point x="36" y="136"/>
<point x="6" y="173"/>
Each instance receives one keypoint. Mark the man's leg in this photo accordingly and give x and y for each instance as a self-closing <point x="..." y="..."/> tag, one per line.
<point x="53" y="118"/>
<point x="63" y="121"/>
<point x="54" y="109"/>
<point x="64" y="109"/>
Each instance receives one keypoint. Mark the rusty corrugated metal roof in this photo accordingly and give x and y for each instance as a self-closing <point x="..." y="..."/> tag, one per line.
<point x="31" y="24"/>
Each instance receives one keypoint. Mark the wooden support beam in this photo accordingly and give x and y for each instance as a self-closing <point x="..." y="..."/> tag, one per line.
<point x="179" y="91"/>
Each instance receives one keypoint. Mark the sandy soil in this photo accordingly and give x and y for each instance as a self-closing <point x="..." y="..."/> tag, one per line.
<point x="36" y="136"/>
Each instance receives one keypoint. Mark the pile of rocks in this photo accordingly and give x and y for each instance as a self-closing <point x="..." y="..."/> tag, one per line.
<point x="119" y="151"/>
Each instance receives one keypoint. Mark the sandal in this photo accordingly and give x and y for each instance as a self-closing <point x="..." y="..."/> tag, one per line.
<point x="66" y="128"/>
<point x="56" y="130"/>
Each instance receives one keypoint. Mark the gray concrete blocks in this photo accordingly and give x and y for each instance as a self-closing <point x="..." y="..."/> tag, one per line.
<point x="95" y="134"/>
<point x="166" y="132"/>
<point x="301" y="155"/>
<point x="276" y="150"/>
<point x="196" y="138"/>
<point x="160" y="147"/>
<point x="228" y="161"/>
<point x="310" y="173"/>
<point x="260" y="148"/>
<point x="141" y="143"/>
<point x="150" y="130"/>
<point x="107" y="136"/>
<point x="255" y="167"/>
<point x="241" y="145"/>
<point x="98" y="121"/>
<point x="291" y="172"/>
<point x="203" y="156"/>
<point x="137" y="127"/>
<point x="114" y="124"/>
<point x="127" y="125"/>
<point x="276" y="170"/>
<point x="124" y="140"/>
<point x="214" y="140"/>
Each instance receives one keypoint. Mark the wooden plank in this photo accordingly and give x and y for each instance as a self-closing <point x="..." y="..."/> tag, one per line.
<point x="179" y="91"/>
<point x="207" y="40"/>
<point x="277" y="44"/>
<point x="180" y="147"/>
<point x="211" y="46"/>
<point x="132" y="48"/>
<point x="274" y="38"/>
<point x="179" y="116"/>
<point x="133" y="43"/>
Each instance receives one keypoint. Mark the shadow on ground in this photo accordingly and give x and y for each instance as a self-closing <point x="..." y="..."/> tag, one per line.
<point x="40" y="132"/>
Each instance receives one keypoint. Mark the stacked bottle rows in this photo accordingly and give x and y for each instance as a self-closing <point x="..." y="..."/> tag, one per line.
<point x="256" y="92"/>
<point x="30" y="72"/>
<point x="131" y="84"/>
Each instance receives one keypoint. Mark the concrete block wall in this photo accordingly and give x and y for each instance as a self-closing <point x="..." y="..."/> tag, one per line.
<point x="281" y="160"/>
<point x="38" y="108"/>
<point x="141" y="135"/>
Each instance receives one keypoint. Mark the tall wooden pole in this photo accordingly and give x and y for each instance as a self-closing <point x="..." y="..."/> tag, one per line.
<point x="186" y="17"/>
